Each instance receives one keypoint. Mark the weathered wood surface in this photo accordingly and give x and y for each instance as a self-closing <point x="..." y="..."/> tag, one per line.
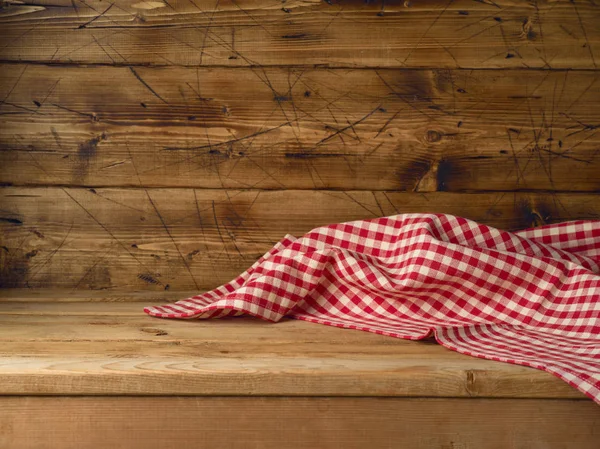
<point x="417" y="130"/>
<point x="115" y="238"/>
<point x="81" y="301"/>
<point x="115" y="349"/>
<point x="296" y="423"/>
<point x="131" y="99"/>
<point x="357" y="33"/>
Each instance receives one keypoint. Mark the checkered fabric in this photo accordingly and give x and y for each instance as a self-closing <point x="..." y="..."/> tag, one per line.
<point x="530" y="297"/>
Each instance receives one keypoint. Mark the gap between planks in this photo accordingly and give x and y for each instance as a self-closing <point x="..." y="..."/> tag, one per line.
<point x="294" y="66"/>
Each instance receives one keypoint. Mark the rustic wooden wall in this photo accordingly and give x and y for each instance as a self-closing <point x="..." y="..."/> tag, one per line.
<point x="167" y="144"/>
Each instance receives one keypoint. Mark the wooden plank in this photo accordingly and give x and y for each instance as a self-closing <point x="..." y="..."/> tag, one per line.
<point x="416" y="130"/>
<point x="186" y="239"/>
<point x="296" y="423"/>
<point x="93" y="348"/>
<point x="45" y="299"/>
<point x="439" y="33"/>
<point x="184" y="367"/>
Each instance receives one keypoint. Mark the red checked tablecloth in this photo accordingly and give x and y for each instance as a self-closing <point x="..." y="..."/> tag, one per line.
<point x="530" y="297"/>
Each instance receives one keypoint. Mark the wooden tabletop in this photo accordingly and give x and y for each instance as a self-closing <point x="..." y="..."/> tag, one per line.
<point x="113" y="348"/>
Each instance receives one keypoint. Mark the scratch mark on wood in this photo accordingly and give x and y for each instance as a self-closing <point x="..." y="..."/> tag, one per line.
<point x="351" y="125"/>
<point x="127" y="206"/>
<point x="228" y="142"/>
<point x="520" y="175"/>
<point x="114" y="164"/>
<point x="45" y="262"/>
<point x="232" y="237"/>
<point x="140" y="79"/>
<point x="92" y="116"/>
<point x="94" y="265"/>
<point x="488" y="2"/>
<point x="201" y="222"/>
<point x="354" y="200"/>
<point x="56" y="137"/>
<point x="84" y="25"/>
<point x="576" y="100"/>
<point x="162" y="220"/>
<point x="75" y="8"/>
<point x="587" y="42"/>
<point x="385" y="125"/>
<point x="50" y="256"/>
<point x="103" y="227"/>
<point x="427" y="31"/>
<point x="50" y="92"/>
<point x="390" y="201"/>
<point x="219" y="229"/>
<point x="570" y="33"/>
<point x="404" y="100"/>
<point x="102" y="48"/>
<point x="14" y="85"/>
<point x="252" y="18"/>
<point x="378" y="204"/>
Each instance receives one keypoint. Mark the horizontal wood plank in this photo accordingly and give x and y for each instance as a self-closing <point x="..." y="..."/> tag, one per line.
<point x="186" y="239"/>
<point x="296" y="423"/>
<point x="432" y="33"/>
<point x="116" y="349"/>
<point x="415" y="130"/>
<point x="82" y="300"/>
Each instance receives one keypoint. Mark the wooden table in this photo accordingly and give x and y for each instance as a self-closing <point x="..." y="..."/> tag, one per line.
<point x="76" y="372"/>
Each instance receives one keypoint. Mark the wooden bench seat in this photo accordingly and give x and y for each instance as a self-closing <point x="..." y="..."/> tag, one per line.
<point x="89" y="370"/>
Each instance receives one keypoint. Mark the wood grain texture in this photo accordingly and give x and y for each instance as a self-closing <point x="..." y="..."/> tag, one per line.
<point x="283" y="128"/>
<point x="186" y="239"/>
<point x="115" y="349"/>
<point x="81" y="301"/>
<point x="351" y="33"/>
<point x="296" y="423"/>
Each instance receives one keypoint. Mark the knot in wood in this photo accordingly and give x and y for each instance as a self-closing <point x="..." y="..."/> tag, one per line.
<point x="433" y="136"/>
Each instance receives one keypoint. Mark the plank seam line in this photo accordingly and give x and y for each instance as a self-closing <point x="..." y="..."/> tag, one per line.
<point x="295" y="66"/>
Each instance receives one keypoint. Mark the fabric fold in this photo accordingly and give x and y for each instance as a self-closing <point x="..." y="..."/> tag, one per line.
<point x="530" y="297"/>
